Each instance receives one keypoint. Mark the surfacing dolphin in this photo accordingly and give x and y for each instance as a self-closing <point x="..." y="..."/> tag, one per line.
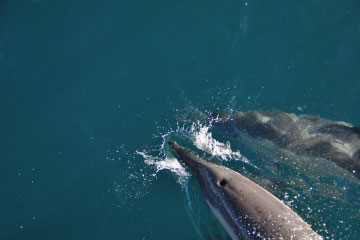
<point x="246" y="210"/>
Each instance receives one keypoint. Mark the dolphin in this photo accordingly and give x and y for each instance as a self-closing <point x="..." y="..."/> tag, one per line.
<point x="305" y="135"/>
<point x="245" y="210"/>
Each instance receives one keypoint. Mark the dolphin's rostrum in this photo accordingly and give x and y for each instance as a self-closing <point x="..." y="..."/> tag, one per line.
<point x="246" y="210"/>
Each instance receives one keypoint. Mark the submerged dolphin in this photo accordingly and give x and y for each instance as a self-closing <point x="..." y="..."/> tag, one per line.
<point x="246" y="210"/>
<point x="307" y="135"/>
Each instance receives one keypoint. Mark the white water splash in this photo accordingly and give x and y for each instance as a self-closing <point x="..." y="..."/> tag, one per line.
<point x="204" y="140"/>
<point x="169" y="163"/>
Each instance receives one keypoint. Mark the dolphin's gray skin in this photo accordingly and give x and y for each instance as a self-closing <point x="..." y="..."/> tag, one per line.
<point x="303" y="134"/>
<point x="246" y="210"/>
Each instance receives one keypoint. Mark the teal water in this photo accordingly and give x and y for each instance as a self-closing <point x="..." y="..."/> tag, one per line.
<point x="88" y="88"/>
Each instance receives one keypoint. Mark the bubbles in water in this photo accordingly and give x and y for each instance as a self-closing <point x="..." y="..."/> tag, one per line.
<point x="125" y="168"/>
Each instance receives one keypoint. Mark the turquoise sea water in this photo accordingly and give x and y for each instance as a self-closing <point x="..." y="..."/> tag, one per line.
<point x="90" y="90"/>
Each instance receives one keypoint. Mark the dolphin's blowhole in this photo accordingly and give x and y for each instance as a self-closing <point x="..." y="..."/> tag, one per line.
<point x="222" y="183"/>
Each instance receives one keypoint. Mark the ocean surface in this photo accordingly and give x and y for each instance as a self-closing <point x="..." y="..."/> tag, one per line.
<point x="90" y="91"/>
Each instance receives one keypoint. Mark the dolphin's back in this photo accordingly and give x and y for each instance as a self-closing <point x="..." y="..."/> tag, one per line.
<point x="261" y="213"/>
